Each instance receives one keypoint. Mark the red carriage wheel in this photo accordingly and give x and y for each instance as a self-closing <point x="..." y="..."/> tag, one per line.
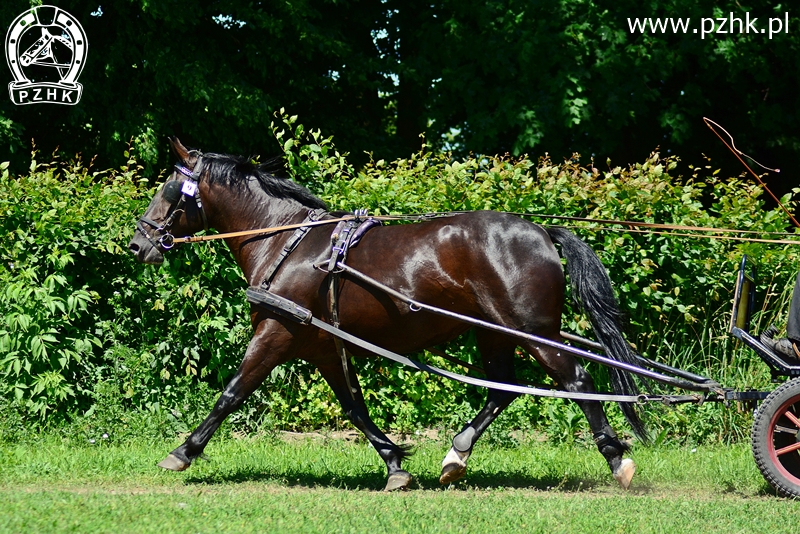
<point x="776" y="439"/>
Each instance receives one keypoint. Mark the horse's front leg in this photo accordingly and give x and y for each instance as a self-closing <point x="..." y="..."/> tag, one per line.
<point x="356" y="410"/>
<point x="268" y="348"/>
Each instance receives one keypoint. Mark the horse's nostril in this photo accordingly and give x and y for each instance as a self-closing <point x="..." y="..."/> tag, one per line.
<point x="133" y="247"/>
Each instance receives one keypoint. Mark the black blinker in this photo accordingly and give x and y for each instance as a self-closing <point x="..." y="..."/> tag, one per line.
<point x="171" y="191"/>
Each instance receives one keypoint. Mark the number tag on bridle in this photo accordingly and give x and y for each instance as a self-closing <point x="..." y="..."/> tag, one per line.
<point x="189" y="188"/>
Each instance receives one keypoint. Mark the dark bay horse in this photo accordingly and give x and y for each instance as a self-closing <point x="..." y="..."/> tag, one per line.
<point x="487" y="265"/>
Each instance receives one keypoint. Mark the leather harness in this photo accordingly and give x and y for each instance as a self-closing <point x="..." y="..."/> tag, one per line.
<point x="346" y="235"/>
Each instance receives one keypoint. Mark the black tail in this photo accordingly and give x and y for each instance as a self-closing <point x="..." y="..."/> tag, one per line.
<point x="592" y="291"/>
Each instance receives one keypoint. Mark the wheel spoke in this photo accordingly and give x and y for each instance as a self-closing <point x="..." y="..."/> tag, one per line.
<point x="793" y="418"/>
<point x="786" y="430"/>
<point x="791" y="448"/>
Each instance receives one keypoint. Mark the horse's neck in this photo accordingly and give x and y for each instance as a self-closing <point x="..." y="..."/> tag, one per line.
<point x="254" y="211"/>
<point x="242" y="211"/>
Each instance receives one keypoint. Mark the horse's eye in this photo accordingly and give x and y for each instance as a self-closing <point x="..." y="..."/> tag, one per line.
<point x="171" y="191"/>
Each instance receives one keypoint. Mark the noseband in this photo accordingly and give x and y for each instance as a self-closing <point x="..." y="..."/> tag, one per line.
<point x="190" y="189"/>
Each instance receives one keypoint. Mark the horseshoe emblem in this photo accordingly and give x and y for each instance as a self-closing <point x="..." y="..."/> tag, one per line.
<point x="46" y="50"/>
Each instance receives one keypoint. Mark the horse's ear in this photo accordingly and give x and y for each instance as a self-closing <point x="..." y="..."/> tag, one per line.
<point x="178" y="149"/>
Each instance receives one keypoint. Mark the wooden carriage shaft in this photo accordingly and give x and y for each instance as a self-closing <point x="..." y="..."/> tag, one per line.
<point x="418" y="306"/>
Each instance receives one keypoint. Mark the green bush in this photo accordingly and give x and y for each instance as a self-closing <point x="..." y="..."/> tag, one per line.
<point x="74" y="298"/>
<point x="61" y="241"/>
<point x="89" y="336"/>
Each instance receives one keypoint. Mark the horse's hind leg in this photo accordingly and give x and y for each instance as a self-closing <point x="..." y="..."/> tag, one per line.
<point x="356" y="410"/>
<point x="497" y="353"/>
<point x="565" y="369"/>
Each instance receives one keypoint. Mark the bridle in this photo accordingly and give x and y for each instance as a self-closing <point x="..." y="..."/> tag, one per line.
<point x="177" y="196"/>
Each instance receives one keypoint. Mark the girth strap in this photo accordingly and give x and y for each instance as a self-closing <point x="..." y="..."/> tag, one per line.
<point x="341" y="239"/>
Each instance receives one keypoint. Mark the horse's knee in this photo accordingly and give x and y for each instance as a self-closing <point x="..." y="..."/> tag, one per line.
<point x="228" y="401"/>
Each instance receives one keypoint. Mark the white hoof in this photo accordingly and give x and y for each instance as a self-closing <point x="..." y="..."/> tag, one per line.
<point x="624" y="474"/>
<point x="454" y="466"/>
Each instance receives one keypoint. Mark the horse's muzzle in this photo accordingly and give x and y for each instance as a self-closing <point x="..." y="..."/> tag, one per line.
<point x="144" y="251"/>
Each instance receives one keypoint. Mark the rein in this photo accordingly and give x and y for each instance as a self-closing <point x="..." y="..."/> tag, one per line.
<point x="655" y="227"/>
<point x="276" y="229"/>
<point x="270" y="230"/>
<point x="190" y="189"/>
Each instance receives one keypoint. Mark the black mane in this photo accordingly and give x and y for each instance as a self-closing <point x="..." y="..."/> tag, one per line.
<point x="235" y="170"/>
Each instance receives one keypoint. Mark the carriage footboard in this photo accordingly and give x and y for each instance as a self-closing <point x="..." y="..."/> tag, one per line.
<point x="743" y="306"/>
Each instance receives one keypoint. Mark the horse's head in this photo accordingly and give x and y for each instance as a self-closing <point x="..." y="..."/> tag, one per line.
<point x="175" y="209"/>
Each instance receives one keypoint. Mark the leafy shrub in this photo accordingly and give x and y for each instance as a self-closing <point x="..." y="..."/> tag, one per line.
<point x="89" y="335"/>
<point x="59" y="242"/>
<point x="73" y="296"/>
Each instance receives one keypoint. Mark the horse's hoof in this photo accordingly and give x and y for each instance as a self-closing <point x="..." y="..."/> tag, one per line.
<point x="452" y="472"/>
<point x="173" y="463"/>
<point x="399" y="480"/>
<point x="624" y="474"/>
<point x="454" y="466"/>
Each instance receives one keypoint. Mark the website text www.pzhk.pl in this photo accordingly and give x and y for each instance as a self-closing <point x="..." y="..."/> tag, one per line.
<point x="711" y="25"/>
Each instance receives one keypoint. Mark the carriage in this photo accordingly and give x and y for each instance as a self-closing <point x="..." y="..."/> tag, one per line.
<point x="364" y="288"/>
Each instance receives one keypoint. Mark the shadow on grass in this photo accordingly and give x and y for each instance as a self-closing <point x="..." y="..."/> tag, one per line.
<point x="519" y="480"/>
<point x="765" y="490"/>
<point x="374" y="480"/>
<point x="368" y="481"/>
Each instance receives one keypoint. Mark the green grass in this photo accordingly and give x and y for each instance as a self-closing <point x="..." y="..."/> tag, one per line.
<point x="327" y="485"/>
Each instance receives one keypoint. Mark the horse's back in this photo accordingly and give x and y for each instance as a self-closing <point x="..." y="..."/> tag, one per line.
<point x="485" y="264"/>
<point x="475" y="244"/>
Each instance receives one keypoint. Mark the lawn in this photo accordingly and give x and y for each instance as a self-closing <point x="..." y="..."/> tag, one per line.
<point x="333" y="485"/>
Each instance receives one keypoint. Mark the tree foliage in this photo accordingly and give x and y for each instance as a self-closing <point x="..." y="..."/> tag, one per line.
<point x="482" y="76"/>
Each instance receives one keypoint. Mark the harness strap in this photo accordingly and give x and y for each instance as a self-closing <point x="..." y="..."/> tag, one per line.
<point x="341" y="239"/>
<point x="140" y="227"/>
<point x="605" y="437"/>
<point x="290" y="309"/>
<point x="200" y="208"/>
<point x="150" y="222"/>
<point x="166" y="241"/>
<point x="290" y="245"/>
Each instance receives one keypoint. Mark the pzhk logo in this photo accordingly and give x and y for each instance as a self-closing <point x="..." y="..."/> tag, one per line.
<point x="46" y="50"/>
